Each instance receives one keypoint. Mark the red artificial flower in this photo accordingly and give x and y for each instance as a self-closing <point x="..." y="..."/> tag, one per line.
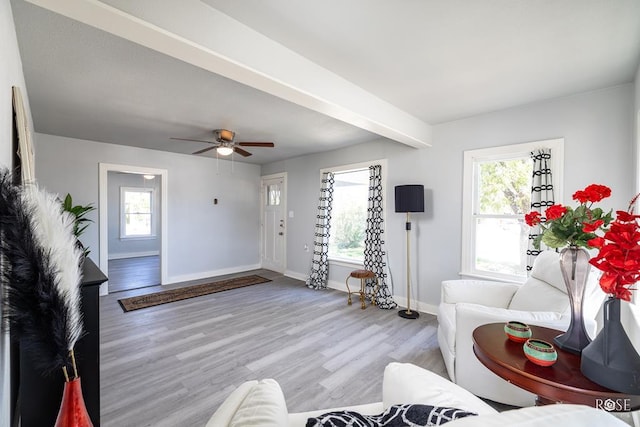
<point x="592" y="227"/>
<point x="555" y="212"/>
<point x="532" y="218"/>
<point x="593" y="193"/>
<point x="596" y="242"/>
<point x="619" y="255"/>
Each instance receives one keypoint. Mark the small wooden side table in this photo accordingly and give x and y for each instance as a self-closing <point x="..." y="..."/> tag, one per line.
<point x="562" y="382"/>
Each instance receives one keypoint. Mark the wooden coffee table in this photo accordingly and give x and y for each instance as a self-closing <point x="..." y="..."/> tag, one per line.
<point x="562" y="382"/>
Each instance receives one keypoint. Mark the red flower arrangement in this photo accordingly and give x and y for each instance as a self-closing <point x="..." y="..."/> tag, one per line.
<point x="619" y="255"/>
<point x="565" y="226"/>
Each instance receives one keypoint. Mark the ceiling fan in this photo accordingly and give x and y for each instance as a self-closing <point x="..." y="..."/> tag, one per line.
<point x="225" y="145"/>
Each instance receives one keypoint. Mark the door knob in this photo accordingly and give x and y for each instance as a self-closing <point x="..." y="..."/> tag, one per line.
<point x="281" y="233"/>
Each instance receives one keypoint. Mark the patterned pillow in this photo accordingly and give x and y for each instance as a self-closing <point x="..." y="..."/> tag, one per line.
<point x="394" y="416"/>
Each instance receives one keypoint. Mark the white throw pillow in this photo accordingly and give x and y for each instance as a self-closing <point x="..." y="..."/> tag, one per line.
<point x="407" y="383"/>
<point x="263" y="406"/>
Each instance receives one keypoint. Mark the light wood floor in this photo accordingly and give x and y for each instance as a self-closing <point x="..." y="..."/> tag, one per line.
<point x="172" y="365"/>
<point x="133" y="273"/>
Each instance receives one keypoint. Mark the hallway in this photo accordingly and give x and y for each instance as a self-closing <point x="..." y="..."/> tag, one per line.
<point x="133" y="273"/>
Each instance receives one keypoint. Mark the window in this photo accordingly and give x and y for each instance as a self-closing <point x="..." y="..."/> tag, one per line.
<point x="497" y="194"/>
<point x="273" y="194"/>
<point x="350" y="203"/>
<point x="349" y="215"/>
<point x="136" y="212"/>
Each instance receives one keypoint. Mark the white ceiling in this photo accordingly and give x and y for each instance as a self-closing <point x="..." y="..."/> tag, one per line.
<point x="432" y="60"/>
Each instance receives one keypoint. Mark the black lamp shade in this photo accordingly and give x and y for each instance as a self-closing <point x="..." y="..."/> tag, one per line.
<point x="409" y="198"/>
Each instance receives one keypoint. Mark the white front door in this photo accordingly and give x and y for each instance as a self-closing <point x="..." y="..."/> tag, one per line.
<point x="273" y="223"/>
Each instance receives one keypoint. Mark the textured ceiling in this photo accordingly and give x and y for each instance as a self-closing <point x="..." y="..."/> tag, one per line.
<point x="437" y="61"/>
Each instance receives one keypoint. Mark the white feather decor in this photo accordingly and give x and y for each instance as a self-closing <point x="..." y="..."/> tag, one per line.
<point x="53" y="230"/>
<point x="41" y="274"/>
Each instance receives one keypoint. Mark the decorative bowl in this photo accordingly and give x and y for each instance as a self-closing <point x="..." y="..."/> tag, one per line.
<point x="540" y="352"/>
<point x="517" y="331"/>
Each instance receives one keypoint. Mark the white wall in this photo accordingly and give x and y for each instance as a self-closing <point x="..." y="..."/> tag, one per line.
<point x="597" y="128"/>
<point x="203" y="239"/>
<point x="127" y="248"/>
<point x="10" y="75"/>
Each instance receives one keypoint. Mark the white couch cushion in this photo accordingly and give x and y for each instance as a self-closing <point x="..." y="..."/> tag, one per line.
<point x="227" y="410"/>
<point x="544" y="290"/>
<point x="551" y="415"/>
<point x="262" y="404"/>
<point x="536" y="295"/>
<point x="546" y="268"/>
<point x="407" y="383"/>
<point x="447" y="323"/>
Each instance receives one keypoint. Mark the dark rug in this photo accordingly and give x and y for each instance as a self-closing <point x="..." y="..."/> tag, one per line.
<point x="164" y="297"/>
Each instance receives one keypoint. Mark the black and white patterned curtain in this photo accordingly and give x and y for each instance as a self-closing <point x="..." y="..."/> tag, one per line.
<point x="541" y="196"/>
<point x="320" y="263"/>
<point x="374" y="254"/>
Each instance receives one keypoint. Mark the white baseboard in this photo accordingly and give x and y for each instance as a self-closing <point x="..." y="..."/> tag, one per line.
<point x="420" y="306"/>
<point x="124" y="255"/>
<point x="212" y="273"/>
<point x="296" y="275"/>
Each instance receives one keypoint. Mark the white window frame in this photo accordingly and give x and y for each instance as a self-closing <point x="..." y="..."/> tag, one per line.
<point x="507" y="152"/>
<point x="344" y="262"/>
<point x="153" y="233"/>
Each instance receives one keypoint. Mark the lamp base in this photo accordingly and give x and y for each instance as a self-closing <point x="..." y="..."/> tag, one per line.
<point x="409" y="314"/>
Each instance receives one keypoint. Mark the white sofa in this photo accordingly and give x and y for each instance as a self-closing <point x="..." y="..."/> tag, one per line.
<point x="542" y="300"/>
<point x="262" y="403"/>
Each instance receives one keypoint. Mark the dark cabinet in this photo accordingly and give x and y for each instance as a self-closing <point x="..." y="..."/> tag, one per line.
<point x="40" y="396"/>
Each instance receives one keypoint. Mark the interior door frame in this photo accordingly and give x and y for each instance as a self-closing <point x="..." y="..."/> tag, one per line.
<point x="263" y="178"/>
<point x="103" y="222"/>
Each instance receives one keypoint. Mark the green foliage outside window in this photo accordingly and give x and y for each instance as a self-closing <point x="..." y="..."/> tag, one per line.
<point x="505" y="187"/>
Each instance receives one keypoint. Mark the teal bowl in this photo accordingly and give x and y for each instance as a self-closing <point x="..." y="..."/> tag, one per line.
<point x="517" y="331"/>
<point x="540" y="352"/>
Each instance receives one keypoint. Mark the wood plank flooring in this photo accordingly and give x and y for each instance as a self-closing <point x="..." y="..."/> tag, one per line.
<point x="174" y="364"/>
<point x="133" y="273"/>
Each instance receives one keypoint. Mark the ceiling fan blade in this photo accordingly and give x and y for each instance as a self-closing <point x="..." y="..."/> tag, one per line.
<point x="195" y="140"/>
<point x="255" y="144"/>
<point x="241" y="151"/>
<point x="204" y="150"/>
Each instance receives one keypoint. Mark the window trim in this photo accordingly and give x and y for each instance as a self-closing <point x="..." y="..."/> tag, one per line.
<point x="504" y="152"/>
<point x="152" y="213"/>
<point x="351" y="167"/>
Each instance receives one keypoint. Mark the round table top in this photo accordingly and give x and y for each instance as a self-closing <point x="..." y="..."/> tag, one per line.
<point x="562" y="382"/>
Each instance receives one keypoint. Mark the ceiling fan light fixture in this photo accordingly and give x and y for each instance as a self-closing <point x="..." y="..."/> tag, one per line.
<point x="224" y="151"/>
<point x="224" y="135"/>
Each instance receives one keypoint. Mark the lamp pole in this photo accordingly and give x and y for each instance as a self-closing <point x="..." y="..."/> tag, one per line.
<point x="408" y="314"/>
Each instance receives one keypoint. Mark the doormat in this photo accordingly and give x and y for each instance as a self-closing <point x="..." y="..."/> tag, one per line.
<point x="164" y="297"/>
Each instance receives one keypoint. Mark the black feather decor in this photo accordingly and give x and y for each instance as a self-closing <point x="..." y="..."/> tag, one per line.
<point x="40" y="274"/>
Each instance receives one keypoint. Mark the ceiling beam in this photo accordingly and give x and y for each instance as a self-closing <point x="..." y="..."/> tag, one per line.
<point x="198" y="34"/>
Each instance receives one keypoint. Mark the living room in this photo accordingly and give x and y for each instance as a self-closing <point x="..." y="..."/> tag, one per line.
<point x="598" y="123"/>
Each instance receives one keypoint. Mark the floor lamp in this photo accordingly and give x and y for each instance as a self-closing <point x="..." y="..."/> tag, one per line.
<point x="409" y="198"/>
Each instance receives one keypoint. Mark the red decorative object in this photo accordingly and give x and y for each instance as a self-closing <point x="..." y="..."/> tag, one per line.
<point x="73" y="412"/>
<point x="565" y="226"/>
<point x="619" y="256"/>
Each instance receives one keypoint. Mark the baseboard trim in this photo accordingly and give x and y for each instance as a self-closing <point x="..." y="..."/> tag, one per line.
<point x="296" y="275"/>
<point x="133" y="255"/>
<point x="420" y="306"/>
<point x="212" y="273"/>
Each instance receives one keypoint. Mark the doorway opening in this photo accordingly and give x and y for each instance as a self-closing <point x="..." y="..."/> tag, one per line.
<point x="133" y="226"/>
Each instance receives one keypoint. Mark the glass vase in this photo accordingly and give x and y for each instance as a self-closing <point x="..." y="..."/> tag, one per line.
<point x="611" y="359"/>
<point x="73" y="412"/>
<point x="574" y="264"/>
